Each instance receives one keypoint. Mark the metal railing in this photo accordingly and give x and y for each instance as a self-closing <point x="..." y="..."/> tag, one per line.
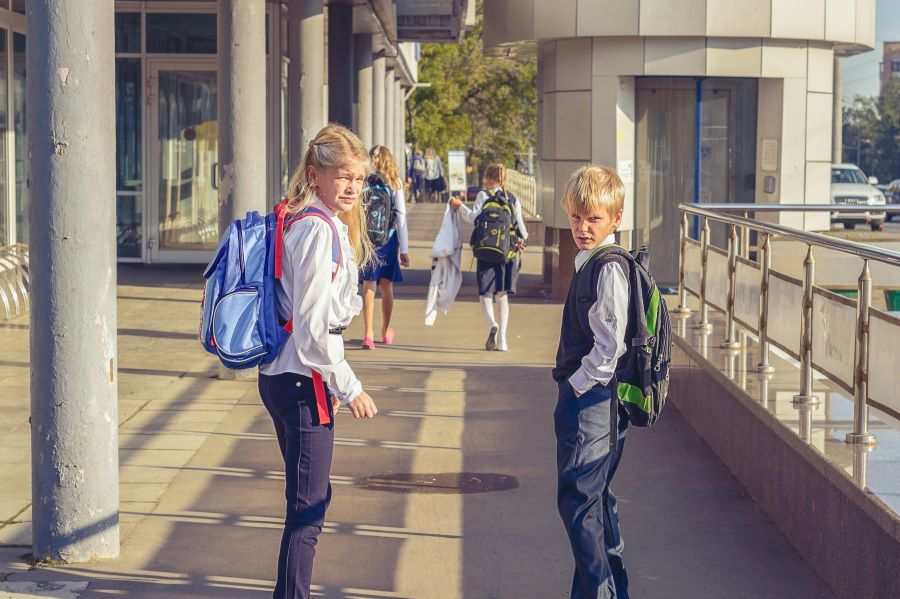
<point x="14" y="282"/>
<point x="524" y="187"/>
<point x="745" y="290"/>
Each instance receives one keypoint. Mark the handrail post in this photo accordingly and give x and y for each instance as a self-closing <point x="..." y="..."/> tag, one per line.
<point x="745" y="239"/>
<point x="806" y="335"/>
<point x="861" y="434"/>
<point x="704" y="323"/>
<point x="731" y="341"/>
<point x="766" y="261"/>
<point x="682" y="289"/>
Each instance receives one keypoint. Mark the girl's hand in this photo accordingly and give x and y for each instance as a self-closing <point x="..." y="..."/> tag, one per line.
<point x="362" y="406"/>
<point x="455" y="203"/>
<point x="335" y="404"/>
<point x="404" y="260"/>
<point x="520" y="246"/>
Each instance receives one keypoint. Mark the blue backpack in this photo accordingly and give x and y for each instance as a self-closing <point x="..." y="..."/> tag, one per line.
<point x="240" y="323"/>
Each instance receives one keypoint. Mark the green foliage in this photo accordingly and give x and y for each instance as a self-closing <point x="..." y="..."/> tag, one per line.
<point x="872" y="133"/>
<point x="484" y="105"/>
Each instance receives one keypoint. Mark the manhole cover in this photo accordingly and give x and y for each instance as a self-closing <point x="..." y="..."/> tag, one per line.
<point x="445" y="482"/>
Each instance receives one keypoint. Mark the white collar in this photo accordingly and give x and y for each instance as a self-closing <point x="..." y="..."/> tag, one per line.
<point x="317" y="203"/>
<point x="582" y="256"/>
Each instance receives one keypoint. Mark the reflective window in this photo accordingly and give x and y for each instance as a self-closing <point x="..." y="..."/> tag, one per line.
<point x="4" y="126"/>
<point x="128" y="124"/>
<point x="181" y="33"/>
<point x="18" y="6"/>
<point x="188" y="160"/>
<point x="21" y="149"/>
<point x="128" y="32"/>
<point x="128" y="226"/>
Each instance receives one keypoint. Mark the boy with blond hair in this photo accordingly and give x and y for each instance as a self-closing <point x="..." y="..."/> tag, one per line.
<point x="590" y="426"/>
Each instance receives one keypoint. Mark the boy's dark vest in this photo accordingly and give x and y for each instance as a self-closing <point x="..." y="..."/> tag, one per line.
<point x="642" y="372"/>
<point x="576" y="338"/>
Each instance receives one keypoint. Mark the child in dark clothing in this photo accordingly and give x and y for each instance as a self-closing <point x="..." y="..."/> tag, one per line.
<point x="590" y="430"/>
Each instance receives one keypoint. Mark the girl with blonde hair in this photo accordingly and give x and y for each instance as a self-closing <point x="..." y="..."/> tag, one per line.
<point x="385" y="271"/>
<point x="303" y="387"/>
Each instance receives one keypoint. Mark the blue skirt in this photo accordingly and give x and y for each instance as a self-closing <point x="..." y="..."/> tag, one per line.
<point x="388" y="266"/>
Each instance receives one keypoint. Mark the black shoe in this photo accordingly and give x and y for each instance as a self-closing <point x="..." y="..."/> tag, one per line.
<point x="491" y="343"/>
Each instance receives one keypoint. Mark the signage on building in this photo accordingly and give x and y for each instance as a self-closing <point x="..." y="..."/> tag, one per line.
<point x="456" y="170"/>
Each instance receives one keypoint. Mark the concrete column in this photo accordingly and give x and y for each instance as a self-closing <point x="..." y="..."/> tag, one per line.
<point x="362" y="65"/>
<point x="242" y="97"/>
<point x="379" y="76"/>
<point x="837" y="134"/>
<point x="401" y="161"/>
<point x="398" y="119"/>
<point x="72" y="144"/>
<point x="306" y="74"/>
<point x="340" y="64"/>
<point x="390" y="110"/>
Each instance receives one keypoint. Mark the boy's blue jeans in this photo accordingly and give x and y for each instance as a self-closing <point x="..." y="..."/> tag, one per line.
<point x="586" y="462"/>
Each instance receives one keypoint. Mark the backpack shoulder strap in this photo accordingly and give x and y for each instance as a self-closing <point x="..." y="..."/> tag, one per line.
<point x="336" y="252"/>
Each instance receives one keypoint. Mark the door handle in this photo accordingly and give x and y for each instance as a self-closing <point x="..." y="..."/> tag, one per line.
<point x="214" y="178"/>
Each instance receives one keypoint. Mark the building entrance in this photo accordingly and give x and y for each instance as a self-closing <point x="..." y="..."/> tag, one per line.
<point x="183" y="206"/>
<point x="696" y="142"/>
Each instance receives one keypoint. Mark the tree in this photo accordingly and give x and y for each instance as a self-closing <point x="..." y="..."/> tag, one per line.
<point x="484" y="105"/>
<point x="872" y="133"/>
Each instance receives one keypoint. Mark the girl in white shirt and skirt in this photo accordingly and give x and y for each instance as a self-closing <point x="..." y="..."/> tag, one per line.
<point x="310" y="378"/>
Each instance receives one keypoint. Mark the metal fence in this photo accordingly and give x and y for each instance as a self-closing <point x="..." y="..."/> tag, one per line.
<point x="14" y="283"/>
<point x="524" y="187"/>
<point x="846" y="339"/>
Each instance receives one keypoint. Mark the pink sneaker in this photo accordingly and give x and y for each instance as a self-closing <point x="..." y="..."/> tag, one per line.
<point x="388" y="337"/>
<point x="368" y="343"/>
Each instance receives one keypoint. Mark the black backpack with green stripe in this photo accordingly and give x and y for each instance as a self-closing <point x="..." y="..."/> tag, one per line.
<point x="642" y="373"/>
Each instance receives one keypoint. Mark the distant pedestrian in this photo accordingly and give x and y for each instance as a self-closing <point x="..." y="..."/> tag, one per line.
<point x="386" y="215"/>
<point x="498" y="253"/>
<point x="416" y="176"/>
<point x="435" y="183"/>
<point x="589" y="421"/>
<point x="310" y="378"/>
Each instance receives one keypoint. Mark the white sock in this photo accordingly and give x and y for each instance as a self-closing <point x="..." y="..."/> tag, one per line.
<point x="487" y="306"/>
<point x="503" y="301"/>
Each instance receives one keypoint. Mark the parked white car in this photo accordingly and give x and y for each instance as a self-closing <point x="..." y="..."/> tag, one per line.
<point x="850" y="187"/>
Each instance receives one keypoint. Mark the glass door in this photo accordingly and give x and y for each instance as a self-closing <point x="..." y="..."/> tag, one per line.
<point x="183" y="128"/>
<point x="696" y="142"/>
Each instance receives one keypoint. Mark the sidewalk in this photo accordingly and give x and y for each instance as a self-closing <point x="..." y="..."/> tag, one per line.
<point x="202" y="496"/>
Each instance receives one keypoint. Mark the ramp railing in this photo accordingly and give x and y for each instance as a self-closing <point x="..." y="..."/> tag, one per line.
<point x="845" y="338"/>
<point x="14" y="283"/>
<point x="524" y="187"/>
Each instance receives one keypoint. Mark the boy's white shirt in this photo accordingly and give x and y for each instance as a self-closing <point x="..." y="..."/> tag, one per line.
<point x="470" y="214"/>
<point x="608" y="318"/>
<point x="321" y="304"/>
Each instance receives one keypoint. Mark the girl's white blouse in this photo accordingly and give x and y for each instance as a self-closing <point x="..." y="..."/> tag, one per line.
<point x="318" y="304"/>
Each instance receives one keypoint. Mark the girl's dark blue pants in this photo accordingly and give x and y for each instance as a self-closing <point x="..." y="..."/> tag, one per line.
<point x="306" y="447"/>
<point x="587" y="459"/>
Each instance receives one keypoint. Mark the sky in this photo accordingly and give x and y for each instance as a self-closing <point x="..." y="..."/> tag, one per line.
<point x="861" y="75"/>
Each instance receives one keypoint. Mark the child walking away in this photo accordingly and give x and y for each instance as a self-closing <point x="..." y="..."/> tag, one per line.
<point x="310" y="378"/>
<point x="590" y="426"/>
<point x="497" y="241"/>
<point x="386" y="223"/>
